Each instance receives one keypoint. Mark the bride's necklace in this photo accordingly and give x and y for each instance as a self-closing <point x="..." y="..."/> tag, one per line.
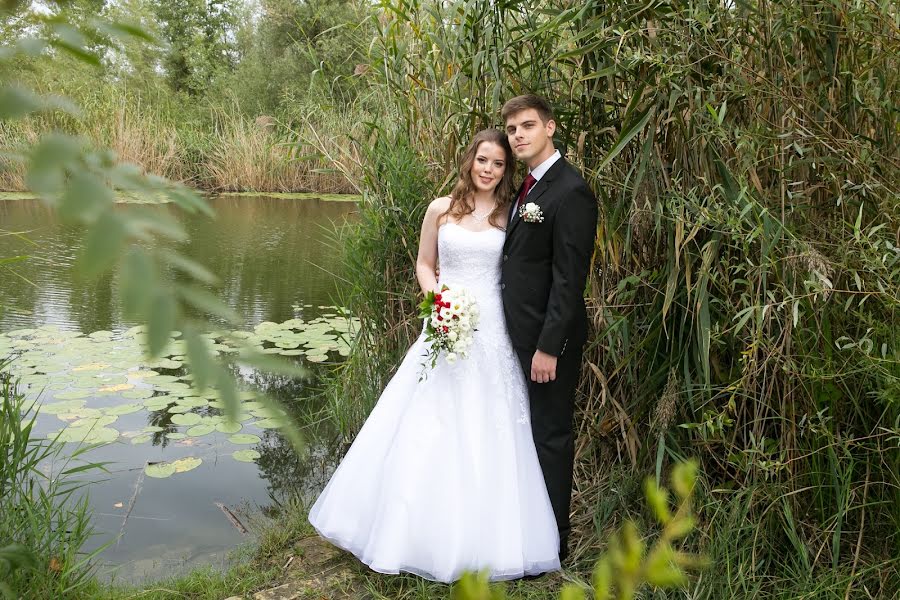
<point x="480" y="217"/>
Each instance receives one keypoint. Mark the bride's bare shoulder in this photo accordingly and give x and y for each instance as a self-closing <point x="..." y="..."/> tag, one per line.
<point x="437" y="208"/>
<point x="440" y="205"/>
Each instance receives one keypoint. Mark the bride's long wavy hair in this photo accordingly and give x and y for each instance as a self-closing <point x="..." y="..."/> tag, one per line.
<point x="462" y="197"/>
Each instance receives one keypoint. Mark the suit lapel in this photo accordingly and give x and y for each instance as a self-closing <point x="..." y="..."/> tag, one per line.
<point x="539" y="188"/>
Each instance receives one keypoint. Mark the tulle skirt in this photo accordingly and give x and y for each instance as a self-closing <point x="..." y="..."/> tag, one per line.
<point x="444" y="477"/>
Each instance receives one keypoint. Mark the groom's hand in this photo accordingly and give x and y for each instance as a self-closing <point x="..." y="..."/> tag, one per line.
<point x="543" y="367"/>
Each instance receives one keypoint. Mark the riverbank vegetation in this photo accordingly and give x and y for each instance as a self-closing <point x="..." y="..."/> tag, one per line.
<point x="225" y="97"/>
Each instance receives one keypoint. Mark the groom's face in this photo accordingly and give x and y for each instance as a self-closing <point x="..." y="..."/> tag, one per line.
<point x="530" y="137"/>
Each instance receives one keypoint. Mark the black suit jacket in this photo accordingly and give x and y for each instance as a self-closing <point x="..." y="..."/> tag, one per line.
<point x="545" y="264"/>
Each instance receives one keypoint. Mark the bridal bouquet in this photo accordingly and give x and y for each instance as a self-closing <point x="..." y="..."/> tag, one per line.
<point x="451" y="317"/>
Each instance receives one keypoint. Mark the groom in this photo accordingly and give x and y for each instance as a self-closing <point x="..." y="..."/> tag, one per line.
<point x="546" y="258"/>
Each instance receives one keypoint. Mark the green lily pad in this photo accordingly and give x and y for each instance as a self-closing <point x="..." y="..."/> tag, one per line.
<point x="56" y="408"/>
<point x="189" y="463"/>
<point x="316" y="358"/>
<point x="226" y="427"/>
<point x="87" y="435"/>
<point x="247" y="455"/>
<point x="124" y="409"/>
<point x="157" y="402"/>
<point x="81" y="413"/>
<point x="160" y="470"/>
<point x="186" y="419"/>
<point x="270" y="424"/>
<point x="99" y="421"/>
<point x="153" y="429"/>
<point x="244" y="438"/>
<point x="200" y="430"/>
<point x="138" y="393"/>
<point x="179" y="408"/>
<point x="156" y="378"/>
<point x="72" y="395"/>
<point x="192" y="402"/>
<point x="141" y="439"/>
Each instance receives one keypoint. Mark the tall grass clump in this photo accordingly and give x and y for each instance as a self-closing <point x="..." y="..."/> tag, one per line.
<point x="744" y="291"/>
<point x="42" y="512"/>
<point x="209" y="144"/>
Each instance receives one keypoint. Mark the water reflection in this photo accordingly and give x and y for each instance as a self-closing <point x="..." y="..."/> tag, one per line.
<point x="270" y="253"/>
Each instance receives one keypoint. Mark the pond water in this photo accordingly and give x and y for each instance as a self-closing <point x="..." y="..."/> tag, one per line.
<point x="179" y="474"/>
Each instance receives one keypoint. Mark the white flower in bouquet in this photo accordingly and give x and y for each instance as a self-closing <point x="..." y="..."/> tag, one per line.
<point x="451" y="317"/>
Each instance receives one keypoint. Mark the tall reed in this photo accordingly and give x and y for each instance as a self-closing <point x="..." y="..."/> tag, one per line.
<point x="42" y="505"/>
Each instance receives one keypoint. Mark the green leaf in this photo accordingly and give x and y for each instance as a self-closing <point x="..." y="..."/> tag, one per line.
<point x="160" y="322"/>
<point x="121" y="29"/>
<point x="200" y="358"/>
<point x="627" y="134"/>
<point x="85" y="198"/>
<point x="207" y="302"/>
<point x="138" y="277"/>
<point x="103" y="244"/>
<point x="189" y="267"/>
<point x="16" y="101"/>
<point x="571" y="592"/>
<point x="49" y="159"/>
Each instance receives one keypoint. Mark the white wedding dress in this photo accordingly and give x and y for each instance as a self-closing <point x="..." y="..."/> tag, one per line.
<point x="444" y="477"/>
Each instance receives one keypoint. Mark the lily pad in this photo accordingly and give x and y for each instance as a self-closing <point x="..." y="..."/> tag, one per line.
<point x="179" y="408"/>
<point x="160" y="470"/>
<point x="244" y="438"/>
<point x="141" y="439"/>
<point x="189" y="463"/>
<point x="81" y="413"/>
<point x="226" y="427"/>
<point x="92" y="367"/>
<point x="186" y="419"/>
<point x="157" y="402"/>
<point x="153" y="429"/>
<point x="98" y="421"/>
<point x="247" y="455"/>
<point x="270" y="424"/>
<point x="192" y="402"/>
<point x="72" y="395"/>
<point x="87" y="435"/>
<point x="124" y="409"/>
<point x="156" y="378"/>
<point x="119" y="387"/>
<point x="56" y="408"/>
<point x="138" y="393"/>
<point x="200" y="430"/>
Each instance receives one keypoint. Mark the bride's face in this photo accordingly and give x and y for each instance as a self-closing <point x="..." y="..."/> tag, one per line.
<point x="488" y="166"/>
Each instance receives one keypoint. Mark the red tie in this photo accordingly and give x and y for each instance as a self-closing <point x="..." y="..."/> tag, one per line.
<point x="526" y="187"/>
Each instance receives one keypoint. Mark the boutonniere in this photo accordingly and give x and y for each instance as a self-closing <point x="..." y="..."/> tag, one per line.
<point x="531" y="213"/>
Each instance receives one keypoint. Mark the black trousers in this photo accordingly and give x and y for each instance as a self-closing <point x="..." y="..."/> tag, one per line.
<point x="552" y="415"/>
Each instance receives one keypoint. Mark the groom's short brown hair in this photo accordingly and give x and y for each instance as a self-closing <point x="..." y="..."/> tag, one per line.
<point x="520" y="103"/>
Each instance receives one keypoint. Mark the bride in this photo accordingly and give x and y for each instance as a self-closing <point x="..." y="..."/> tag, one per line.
<point x="444" y="477"/>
